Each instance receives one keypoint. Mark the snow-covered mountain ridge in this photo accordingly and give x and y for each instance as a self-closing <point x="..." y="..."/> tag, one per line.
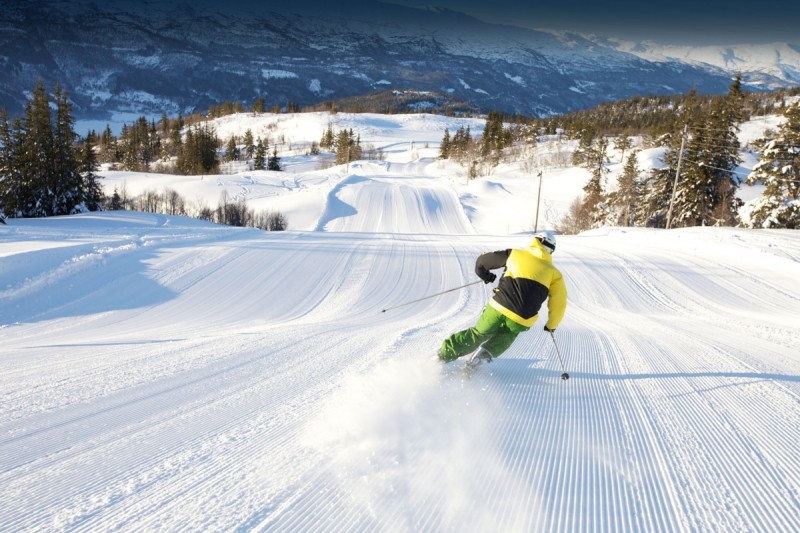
<point x="124" y="59"/>
<point x="761" y="63"/>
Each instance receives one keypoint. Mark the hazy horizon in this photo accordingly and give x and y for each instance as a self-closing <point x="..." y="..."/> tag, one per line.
<point x="685" y="22"/>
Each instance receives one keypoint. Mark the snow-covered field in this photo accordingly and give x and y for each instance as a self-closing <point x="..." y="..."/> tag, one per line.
<point x="162" y="373"/>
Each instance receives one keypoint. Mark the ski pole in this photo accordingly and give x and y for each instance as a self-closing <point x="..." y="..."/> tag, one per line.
<point x="432" y="295"/>
<point x="564" y="376"/>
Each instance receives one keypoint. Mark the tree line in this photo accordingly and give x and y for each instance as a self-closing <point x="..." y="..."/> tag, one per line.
<point x="652" y="115"/>
<point x="699" y="180"/>
<point x="778" y="170"/>
<point x="698" y="184"/>
<point x="44" y="170"/>
<point x="231" y="212"/>
<point x="345" y="144"/>
<point x="479" y="155"/>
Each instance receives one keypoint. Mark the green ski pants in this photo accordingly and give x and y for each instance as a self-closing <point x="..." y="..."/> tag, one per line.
<point x="494" y="331"/>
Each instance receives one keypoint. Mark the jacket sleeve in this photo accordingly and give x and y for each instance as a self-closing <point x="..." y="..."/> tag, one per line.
<point x="556" y="301"/>
<point x="490" y="261"/>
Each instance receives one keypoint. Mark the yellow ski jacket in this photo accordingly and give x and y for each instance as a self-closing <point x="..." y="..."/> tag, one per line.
<point x="530" y="279"/>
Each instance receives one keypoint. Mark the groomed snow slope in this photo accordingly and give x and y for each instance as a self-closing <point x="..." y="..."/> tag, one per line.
<point x="160" y="373"/>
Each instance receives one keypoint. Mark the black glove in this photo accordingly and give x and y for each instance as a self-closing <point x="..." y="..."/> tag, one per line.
<point x="488" y="277"/>
<point x="549" y="330"/>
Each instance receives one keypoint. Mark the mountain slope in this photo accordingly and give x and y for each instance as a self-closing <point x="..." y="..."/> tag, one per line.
<point x="123" y="59"/>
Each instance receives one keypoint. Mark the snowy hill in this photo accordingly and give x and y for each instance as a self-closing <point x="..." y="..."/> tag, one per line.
<point x="308" y="191"/>
<point x="165" y="373"/>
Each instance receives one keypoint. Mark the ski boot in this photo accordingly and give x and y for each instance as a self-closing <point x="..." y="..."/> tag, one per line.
<point x="475" y="360"/>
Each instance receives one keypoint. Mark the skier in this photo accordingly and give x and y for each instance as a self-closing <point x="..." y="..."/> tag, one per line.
<point x="529" y="279"/>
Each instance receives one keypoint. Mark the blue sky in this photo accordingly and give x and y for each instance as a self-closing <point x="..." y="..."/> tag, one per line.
<point x="673" y="21"/>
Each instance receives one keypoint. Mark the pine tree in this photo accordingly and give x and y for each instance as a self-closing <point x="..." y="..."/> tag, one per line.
<point x="40" y="164"/>
<point x="92" y="191"/>
<point x="460" y="145"/>
<point x="186" y="162"/>
<point x="444" y="147"/>
<point x="694" y="194"/>
<point x="623" y="143"/>
<point x="15" y="187"/>
<point x="706" y="193"/>
<point x="116" y="201"/>
<point x="232" y="151"/>
<point x="585" y="142"/>
<point x="725" y="138"/>
<point x="259" y="105"/>
<point x="67" y="192"/>
<point x="199" y="152"/>
<point x="7" y="180"/>
<point x="494" y="139"/>
<point x="260" y="160"/>
<point x="778" y="170"/>
<point x="348" y="146"/>
<point x="249" y="147"/>
<point x="628" y="193"/>
<point x="34" y="159"/>
<point x="327" y="139"/>
<point x="108" y="146"/>
<point x="155" y="145"/>
<point x="140" y="145"/>
<point x="595" y="198"/>
<point x="176" y="141"/>
<point x="355" y="146"/>
<point x="274" y="162"/>
<point x="164" y="124"/>
<point x="658" y="190"/>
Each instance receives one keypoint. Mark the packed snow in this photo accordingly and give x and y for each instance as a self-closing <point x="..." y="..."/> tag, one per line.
<point x="164" y="373"/>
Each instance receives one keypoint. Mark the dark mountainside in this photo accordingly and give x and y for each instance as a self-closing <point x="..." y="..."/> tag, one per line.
<point x="147" y="58"/>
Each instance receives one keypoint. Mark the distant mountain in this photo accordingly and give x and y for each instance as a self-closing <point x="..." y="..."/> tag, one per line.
<point x="127" y="58"/>
<point x="764" y="65"/>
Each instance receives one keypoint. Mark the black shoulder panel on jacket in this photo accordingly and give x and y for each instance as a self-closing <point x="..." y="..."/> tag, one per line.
<point x="491" y="261"/>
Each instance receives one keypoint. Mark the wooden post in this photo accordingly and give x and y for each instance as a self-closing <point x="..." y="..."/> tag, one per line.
<point x="675" y="182"/>
<point x="538" y="201"/>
